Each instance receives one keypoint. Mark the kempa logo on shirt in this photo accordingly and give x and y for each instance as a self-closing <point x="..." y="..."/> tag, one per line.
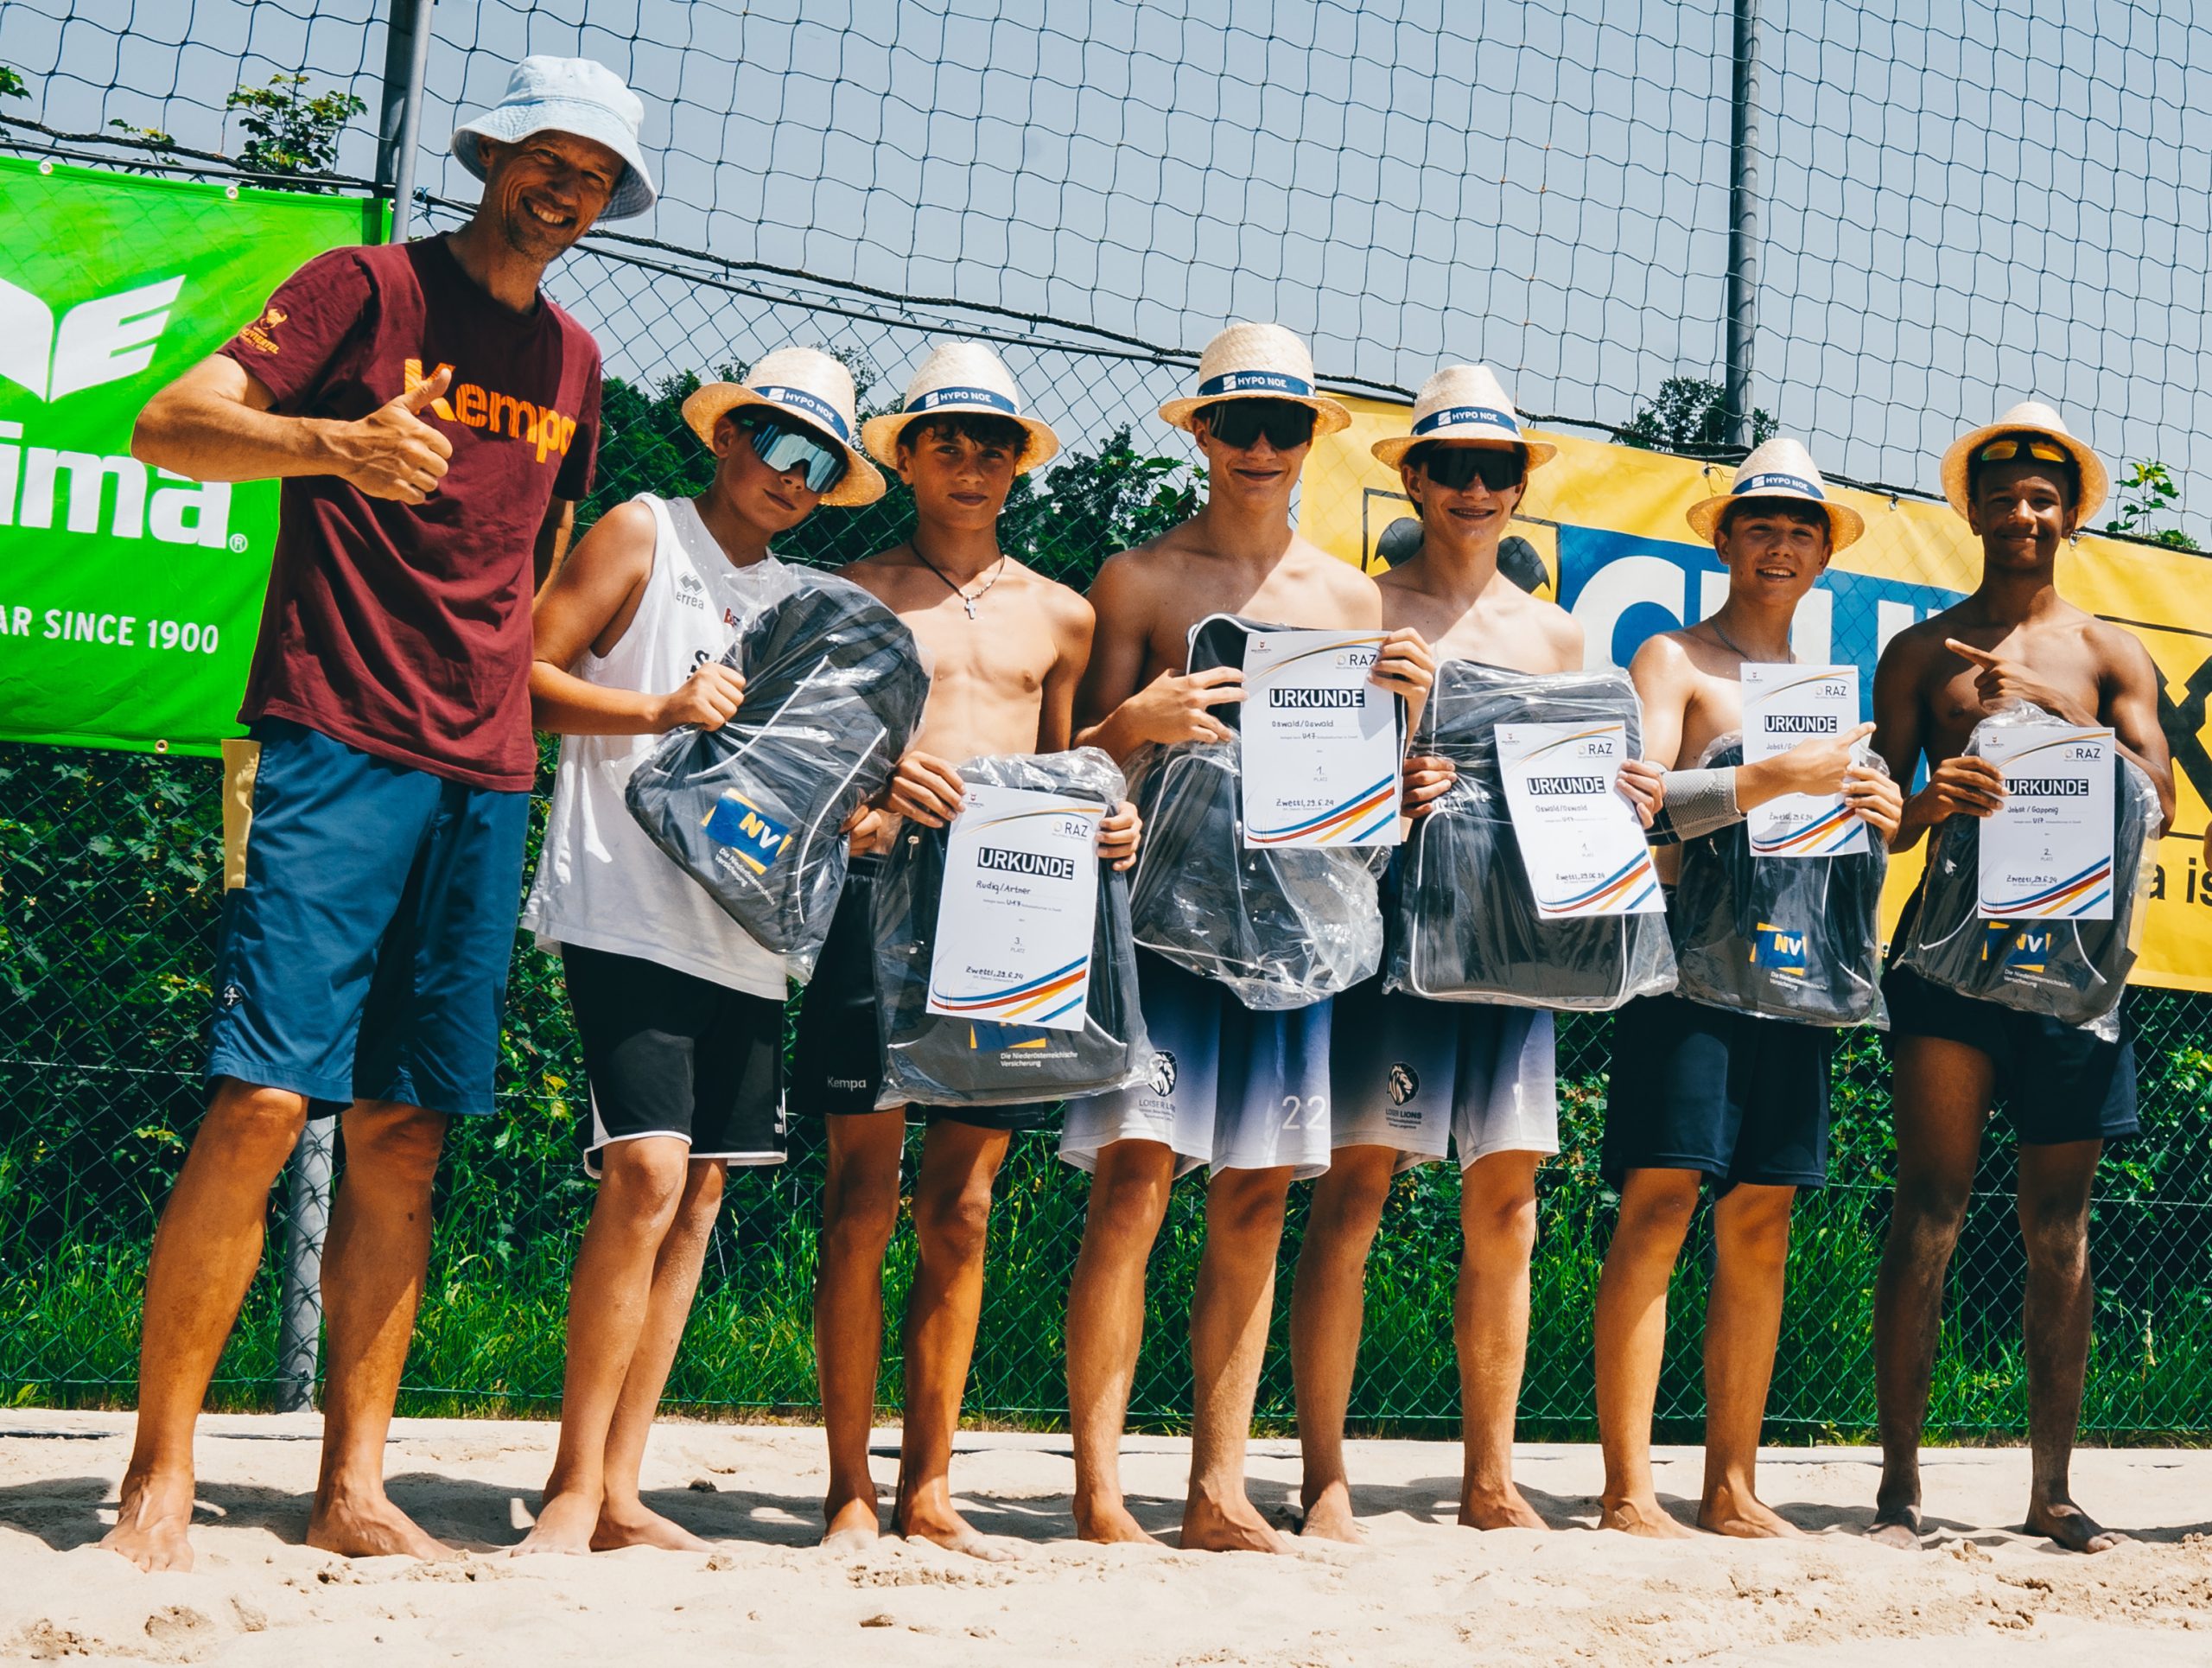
<point x="475" y="407"/>
<point x="95" y="342"/>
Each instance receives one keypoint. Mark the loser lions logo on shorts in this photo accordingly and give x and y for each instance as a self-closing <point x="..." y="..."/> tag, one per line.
<point x="1163" y="1074"/>
<point x="1404" y="1083"/>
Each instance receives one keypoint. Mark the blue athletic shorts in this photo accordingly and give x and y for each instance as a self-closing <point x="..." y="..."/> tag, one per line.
<point x="366" y="957"/>
<point x="1740" y="1098"/>
<point x="1230" y="1088"/>
<point x="2058" y="1083"/>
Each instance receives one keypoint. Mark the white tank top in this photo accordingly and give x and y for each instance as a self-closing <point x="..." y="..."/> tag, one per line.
<point x="600" y="883"/>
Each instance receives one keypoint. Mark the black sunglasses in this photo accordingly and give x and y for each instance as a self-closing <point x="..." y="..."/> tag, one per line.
<point x="1457" y="467"/>
<point x="784" y="445"/>
<point x="1238" y="423"/>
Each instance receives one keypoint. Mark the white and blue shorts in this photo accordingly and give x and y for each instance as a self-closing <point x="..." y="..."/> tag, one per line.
<point x="1429" y="1078"/>
<point x="1230" y="1088"/>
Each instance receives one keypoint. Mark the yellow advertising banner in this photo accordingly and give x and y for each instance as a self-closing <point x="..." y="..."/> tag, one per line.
<point x="1602" y="533"/>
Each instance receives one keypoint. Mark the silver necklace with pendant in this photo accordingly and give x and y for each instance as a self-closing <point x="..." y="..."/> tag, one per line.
<point x="966" y="601"/>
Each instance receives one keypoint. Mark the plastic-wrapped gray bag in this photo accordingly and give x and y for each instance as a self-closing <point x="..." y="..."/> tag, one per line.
<point x="1282" y="926"/>
<point x="1796" y="939"/>
<point x="754" y="811"/>
<point x="1464" y="925"/>
<point x="2073" y="970"/>
<point x="934" y="1060"/>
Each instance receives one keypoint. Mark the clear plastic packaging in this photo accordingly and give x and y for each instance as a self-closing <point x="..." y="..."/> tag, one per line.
<point x="754" y="811"/>
<point x="932" y="1060"/>
<point x="1796" y="939"/>
<point x="1464" y="926"/>
<point x="1281" y="926"/>
<point x="2076" y="971"/>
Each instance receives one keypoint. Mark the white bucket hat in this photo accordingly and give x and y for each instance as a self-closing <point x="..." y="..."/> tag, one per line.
<point x="569" y="95"/>
<point x="1257" y="362"/>
<point x="804" y="383"/>
<point x="1780" y="467"/>
<point x="961" y="376"/>
<point x="1463" y="402"/>
<point x="2029" y="417"/>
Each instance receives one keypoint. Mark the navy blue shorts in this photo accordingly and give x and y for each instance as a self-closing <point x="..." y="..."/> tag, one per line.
<point x="1739" y="1098"/>
<point x="366" y="957"/>
<point x="2057" y="1083"/>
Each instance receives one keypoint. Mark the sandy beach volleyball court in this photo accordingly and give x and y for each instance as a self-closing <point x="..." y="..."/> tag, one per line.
<point x="1421" y="1592"/>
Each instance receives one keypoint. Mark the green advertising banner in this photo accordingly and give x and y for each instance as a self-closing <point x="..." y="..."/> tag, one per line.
<point x="129" y="596"/>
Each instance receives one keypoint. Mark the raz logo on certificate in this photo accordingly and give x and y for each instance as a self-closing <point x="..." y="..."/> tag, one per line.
<point x="754" y="838"/>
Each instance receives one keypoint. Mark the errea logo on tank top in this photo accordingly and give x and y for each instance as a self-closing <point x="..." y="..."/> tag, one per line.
<point x="475" y="407"/>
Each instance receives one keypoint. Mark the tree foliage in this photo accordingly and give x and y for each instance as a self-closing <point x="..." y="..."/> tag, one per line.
<point x="1690" y="415"/>
<point x="2147" y="491"/>
<point x="287" y="131"/>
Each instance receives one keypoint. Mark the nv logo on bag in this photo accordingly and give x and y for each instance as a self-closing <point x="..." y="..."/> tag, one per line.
<point x="2022" y="949"/>
<point x="754" y="838"/>
<point x="989" y="1037"/>
<point x="1778" y="950"/>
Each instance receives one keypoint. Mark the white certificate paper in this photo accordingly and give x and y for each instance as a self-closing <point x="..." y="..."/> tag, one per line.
<point x="2048" y="851"/>
<point x="1015" y="922"/>
<point x="1581" y="845"/>
<point x="1783" y="706"/>
<point x="1322" y="750"/>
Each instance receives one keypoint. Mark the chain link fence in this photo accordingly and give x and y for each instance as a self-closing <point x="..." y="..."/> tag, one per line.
<point x="109" y="865"/>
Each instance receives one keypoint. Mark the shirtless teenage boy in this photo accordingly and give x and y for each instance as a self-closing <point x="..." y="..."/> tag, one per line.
<point x="1254" y="418"/>
<point x="2023" y="485"/>
<point x="681" y="1013"/>
<point x="1412" y="1078"/>
<point x="1005" y="647"/>
<point x="1701" y="1094"/>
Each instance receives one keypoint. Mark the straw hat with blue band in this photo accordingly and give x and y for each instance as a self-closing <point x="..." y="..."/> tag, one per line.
<point x="1780" y="467"/>
<point x="808" y="385"/>
<point x="1257" y="362"/>
<point x="961" y="376"/>
<point x="2030" y="420"/>
<point x="568" y="95"/>
<point x="1463" y="402"/>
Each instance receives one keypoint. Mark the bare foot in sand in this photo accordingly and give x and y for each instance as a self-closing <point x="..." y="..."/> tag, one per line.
<point x="150" y="1522"/>
<point x="1329" y="1517"/>
<point x="564" y="1525"/>
<point x="849" y="1525"/>
<point x="1647" y="1518"/>
<point x="369" y="1527"/>
<point x="1495" y="1510"/>
<point x="1108" y="1524"/>
<point x="1233" y="1525"/>
<point x="1739" y="1513"/>
<point x="2072" y="1528"/>
<point x="940" y="1525"/>
<point x="632" y="1522"/>
<point x="1896" y="1523"/>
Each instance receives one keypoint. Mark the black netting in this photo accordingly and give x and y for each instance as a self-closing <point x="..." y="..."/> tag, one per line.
<point x="1955" y="211"/>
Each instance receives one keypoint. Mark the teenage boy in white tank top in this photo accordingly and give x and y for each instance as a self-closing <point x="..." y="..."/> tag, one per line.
<point x="680" y="1012"/>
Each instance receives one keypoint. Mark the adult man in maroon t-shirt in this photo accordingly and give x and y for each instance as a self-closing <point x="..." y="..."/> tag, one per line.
<point x="434" y="419"/>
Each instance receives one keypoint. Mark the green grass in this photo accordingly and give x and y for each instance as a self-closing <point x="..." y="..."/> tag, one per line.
<point x="107" y="915"/>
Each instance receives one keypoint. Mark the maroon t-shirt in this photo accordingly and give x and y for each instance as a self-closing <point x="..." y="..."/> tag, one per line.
<point x="403" y="629"/>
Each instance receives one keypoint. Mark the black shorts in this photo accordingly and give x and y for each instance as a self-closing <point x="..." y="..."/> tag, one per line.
<point x="837" y="1059"/>
<point x="2057" y="1083"/>
<point x="669" y="1054"/>
<point x="1742" y="1098"/>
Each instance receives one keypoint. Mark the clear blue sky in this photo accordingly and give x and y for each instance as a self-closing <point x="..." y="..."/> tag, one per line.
<point x="1962" y="203"/>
